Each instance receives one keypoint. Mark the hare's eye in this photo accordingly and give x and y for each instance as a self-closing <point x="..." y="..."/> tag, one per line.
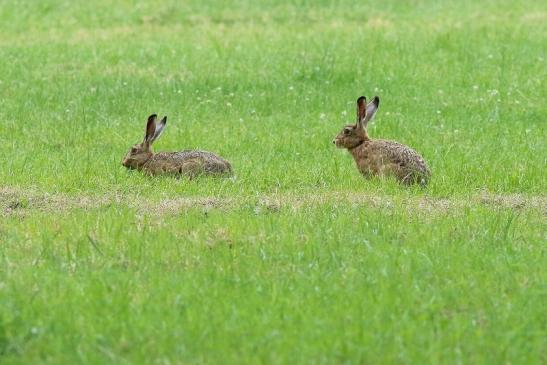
<point x="133" y="150"/>
<point x="346" y="131"/>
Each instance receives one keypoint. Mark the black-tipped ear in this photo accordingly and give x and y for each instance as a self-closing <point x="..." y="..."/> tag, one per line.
<point x="159" y="128"/>
<point x="372" y="107"/>
<point x="361" y="109"/>
<point x="150" y="128"/>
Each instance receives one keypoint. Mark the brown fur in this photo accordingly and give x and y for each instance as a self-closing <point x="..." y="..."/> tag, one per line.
<point x="378" y="157"/>
<point x="188" y="163"/>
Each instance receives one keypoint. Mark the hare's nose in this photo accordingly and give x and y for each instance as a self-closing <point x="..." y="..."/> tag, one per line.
<point x="334" y="141"/>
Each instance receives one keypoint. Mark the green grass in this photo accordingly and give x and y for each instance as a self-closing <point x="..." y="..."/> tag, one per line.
<point x="297" y="259"/>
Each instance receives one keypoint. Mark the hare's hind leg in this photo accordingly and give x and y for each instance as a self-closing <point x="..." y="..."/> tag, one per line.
<point x="392" y="170"/>
<point x="218" y="168"/>
<point x="190" y="168"/>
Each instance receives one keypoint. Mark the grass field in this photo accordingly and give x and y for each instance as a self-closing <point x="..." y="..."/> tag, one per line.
<point x="297" y="259"/>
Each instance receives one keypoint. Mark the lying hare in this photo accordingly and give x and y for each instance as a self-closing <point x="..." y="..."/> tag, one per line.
<point x="187" y="163"/>
<point x="379" y="157"/>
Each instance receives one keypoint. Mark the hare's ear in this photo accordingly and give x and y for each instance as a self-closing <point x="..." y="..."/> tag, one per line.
<point x="159" y="128"/>
<point x="372" y="107"/>
<point x="361" y="110"/>
<point x="150" y="129"/>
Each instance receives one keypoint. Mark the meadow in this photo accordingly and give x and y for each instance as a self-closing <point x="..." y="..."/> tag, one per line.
<point x="297" y="258"/>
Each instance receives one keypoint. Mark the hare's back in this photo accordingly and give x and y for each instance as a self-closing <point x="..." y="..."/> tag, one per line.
<point x="189" y="162"/>
<point x="409" y="161"/>
<point x="196" y="154"/>
<point x="210" y="162"/>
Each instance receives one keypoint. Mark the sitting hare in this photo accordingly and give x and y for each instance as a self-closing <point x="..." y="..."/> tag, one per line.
<point x="188" y="163"/>
<point x="379" y="157"/>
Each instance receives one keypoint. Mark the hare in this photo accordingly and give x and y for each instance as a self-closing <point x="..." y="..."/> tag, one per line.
<point x="379" y="157"/>
<point x="184" y="163"/>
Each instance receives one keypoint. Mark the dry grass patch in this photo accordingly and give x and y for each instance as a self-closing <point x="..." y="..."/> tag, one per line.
<point x="20" y="202"/>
